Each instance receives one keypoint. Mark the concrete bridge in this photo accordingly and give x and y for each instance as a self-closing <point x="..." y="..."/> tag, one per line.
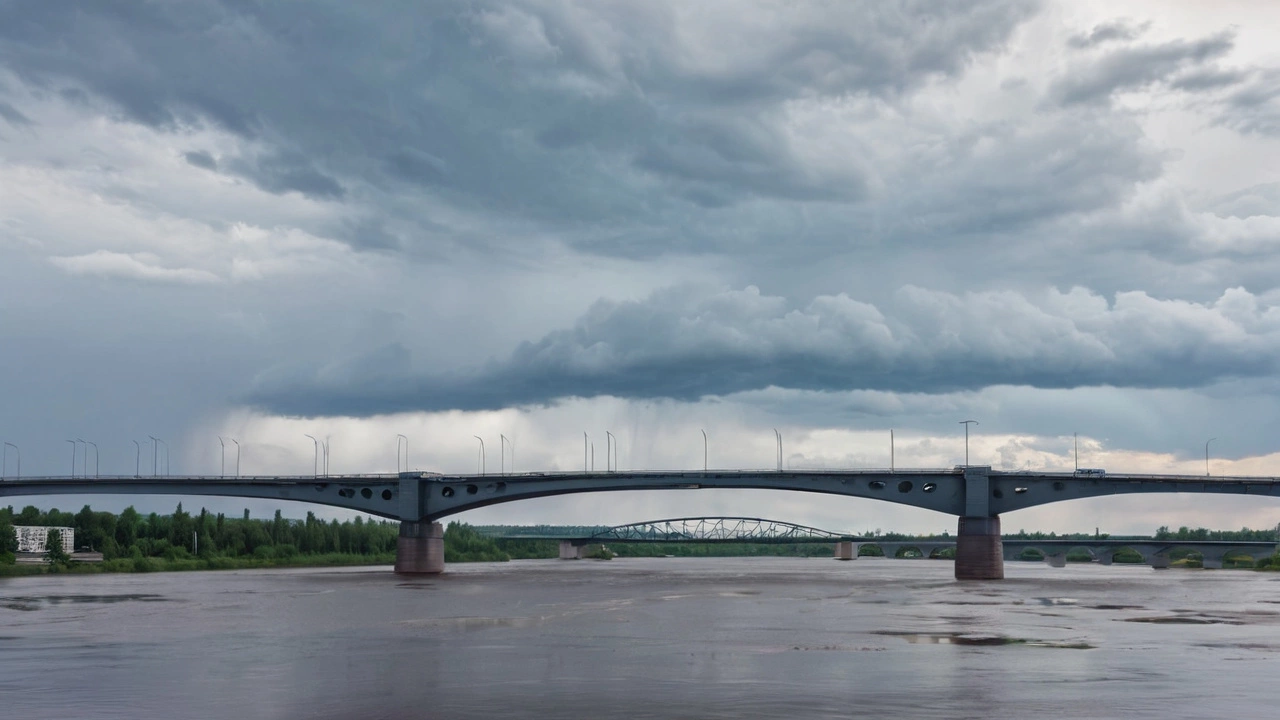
<point x="976" y="495"/>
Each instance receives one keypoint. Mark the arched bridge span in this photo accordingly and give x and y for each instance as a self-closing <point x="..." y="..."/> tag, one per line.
<point x="716" y="530"/>
<point x="977" y="495"/>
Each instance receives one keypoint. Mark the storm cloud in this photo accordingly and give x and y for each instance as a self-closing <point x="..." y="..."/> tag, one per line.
<point x="261" y="220"/>
<point x="686" y="346"/>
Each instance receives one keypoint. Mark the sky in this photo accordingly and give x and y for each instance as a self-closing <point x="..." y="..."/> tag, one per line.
<point x="534" y="219"/>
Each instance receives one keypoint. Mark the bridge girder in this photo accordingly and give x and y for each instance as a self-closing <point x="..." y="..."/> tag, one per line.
<point x="976" y="491"/>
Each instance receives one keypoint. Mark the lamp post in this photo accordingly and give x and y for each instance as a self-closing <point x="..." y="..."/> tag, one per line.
<point x="96" y="458"/>
<point x="400" y="437"/>
<point x="778" y="436"/>
<point x="325" y="446"/>
<point x="237" y="442"/>
<point x="223" y="443"/>
<point x="1075" y="437"/>
<point x="891" y="458"/>
<point x="6" y="459"/>
<point x="155" y="449"/>
<point x="166" y="455"/>
<point x="1206" y="455"/>
<point x="73" y="457"/>
<point x="966" y="424"/>
<point x="85" y="467"/>
<point x="137" y="459"/>
<point x="481" y="463"/>
<point x="315" y="460"/>
<point x="610" y="448"/>
<point x="584" y="452"/>
<point x="502" y="448"/>
<point x="704" y="451"/>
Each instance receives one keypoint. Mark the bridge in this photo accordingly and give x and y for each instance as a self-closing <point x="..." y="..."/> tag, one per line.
<point x="976" y="495"/>
<point x="848" y="546"/>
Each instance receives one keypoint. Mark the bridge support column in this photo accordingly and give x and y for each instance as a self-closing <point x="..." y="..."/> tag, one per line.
<point x="979" y="550"/>
<point x="1158" y="561"/>
<point x="1211" y="562"/>
<point x="569" y="551"/>
<point x="1105" y="556"/>
<point x="420" y="548"/>
<point x="845" y="550"/>
<point x="1058" y="561"/>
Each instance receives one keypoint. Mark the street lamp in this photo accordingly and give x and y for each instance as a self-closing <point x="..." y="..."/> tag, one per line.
<point x="96" y="458"/>
<point x="891" y="458"/>
<point x="481" y="463"/>
<point x="224" y="456"/>
<point x="778" y="436"/>
<point x="1076" y="438"/>
<point x="704" y="451"/>
<point x="73" y="457"/>
<point x="325" y="445"/>
<point x="84" y="468"/>
<point x="166" y="455"/>
<point x="610" y="450"/>
<point x="1206" y="455"/>
<point x="237" y="442"/>
<point x="315" y="461"/>
<point x="155" y="449"/>
<point x="502" y="449"/>
<point x="137" y="459"/>
<point x="400" y="437"/>
<point x="6" y="459"/>
<point x="966" y="424"/>
<point x="584" y="452"/>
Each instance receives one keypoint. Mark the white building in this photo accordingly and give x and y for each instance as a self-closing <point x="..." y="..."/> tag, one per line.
<point x="32" y="538"/>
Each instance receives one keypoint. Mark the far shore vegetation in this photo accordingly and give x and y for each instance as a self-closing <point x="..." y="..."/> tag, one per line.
<point x="132" y="542"/>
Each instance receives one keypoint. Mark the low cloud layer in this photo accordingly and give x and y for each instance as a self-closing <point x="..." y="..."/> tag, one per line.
<point x="685" y="345"/>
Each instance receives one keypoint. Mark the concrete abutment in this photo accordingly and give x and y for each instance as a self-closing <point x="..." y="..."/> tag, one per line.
<point x="979" y="549"/>
<point x="420" y="548"/>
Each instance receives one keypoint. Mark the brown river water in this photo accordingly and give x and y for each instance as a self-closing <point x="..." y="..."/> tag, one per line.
<point x="644" y="638"/>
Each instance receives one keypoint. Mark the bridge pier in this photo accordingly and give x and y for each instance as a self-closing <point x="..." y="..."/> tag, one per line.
<point x="569" y="551"/>
<point x="420" y="548"/>
<point x="845" y="550"/>
<point x="1158" y="561"/>
<point x="979" y="549"/>
<point x="1059" y="560"/>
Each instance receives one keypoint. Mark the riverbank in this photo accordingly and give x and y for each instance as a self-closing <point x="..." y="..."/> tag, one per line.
<point x="159" y="564"/>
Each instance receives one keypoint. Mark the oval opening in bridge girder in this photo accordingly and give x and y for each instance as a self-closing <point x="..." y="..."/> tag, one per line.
<point x="877" y="485"/>
<point x="472" y="489"/>
<point x="446" y="491"/>
<point x="930" y="487"/>
<point x="997" y="493"/>
<point x="905" y="486"/>
<point x="347" y="493"/>
<point x="386" y="494"/>
<point x="366" y="493"/>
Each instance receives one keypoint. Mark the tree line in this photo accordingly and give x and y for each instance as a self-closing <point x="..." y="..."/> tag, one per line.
<point x="183" y="540"/>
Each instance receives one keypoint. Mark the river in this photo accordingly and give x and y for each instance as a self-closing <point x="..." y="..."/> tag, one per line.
<point x="652" y="637"/>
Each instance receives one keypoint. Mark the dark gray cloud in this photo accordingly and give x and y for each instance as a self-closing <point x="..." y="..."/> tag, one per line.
<point x="597" y="114"/>
<point x="685" y="345"/>
<point x="1254" y="107"/>
<point x="1137" y="67"/>
<point x="12" y="115"/>
<point x="1108" y="32"/>
<point x="201" y="159"/>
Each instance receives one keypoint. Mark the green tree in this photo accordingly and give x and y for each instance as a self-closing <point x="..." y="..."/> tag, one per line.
<point x="54" y="550"/>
